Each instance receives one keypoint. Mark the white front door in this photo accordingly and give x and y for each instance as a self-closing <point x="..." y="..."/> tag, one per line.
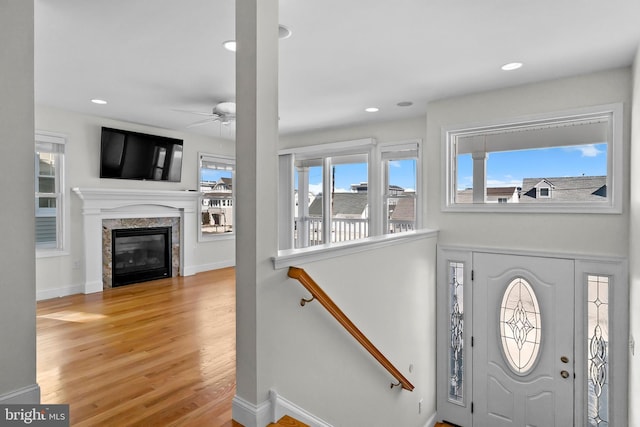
<point x="523" y="341"/>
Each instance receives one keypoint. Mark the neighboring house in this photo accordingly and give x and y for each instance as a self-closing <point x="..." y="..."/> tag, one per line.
<point x="394" y="190"/>
<point x="217" y="205"/>
<point x="494" y="195"/>
<point x="564" y="189"/>
<point x="345" y="205"/>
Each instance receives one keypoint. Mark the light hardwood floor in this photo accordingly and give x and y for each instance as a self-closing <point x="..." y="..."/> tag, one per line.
<point x="159" y="353"/>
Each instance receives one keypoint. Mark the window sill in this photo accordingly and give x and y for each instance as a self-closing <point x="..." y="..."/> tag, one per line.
<point x="555" y="208"/>
<point x="289" y="257"/>
<point x="216" y="237"/>
<point x="50" y="252"/>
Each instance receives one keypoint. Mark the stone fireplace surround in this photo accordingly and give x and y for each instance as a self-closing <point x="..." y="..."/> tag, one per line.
<point x="102" y="205"/>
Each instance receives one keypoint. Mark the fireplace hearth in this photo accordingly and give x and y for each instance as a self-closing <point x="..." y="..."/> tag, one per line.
<point x="140" y="254"/>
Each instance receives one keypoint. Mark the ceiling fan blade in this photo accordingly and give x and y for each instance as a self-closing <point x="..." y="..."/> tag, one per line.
<point x="200" y="113"/>
<point x="204" y="122"/>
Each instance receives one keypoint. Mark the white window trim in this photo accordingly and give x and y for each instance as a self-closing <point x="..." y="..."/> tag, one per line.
<point x="615" y="163"/>
<point x="412" y="149"/>
<point x="296" y="257"/>
<point x="376" y="151"/>
<point x="219" y="158"/>
<point x="61" y="248"/>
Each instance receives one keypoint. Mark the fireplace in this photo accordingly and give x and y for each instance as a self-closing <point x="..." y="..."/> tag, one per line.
<point x="140" y="254"/>
<point x="105" y="209"/>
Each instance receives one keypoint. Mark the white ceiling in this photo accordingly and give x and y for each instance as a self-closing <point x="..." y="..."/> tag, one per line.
<point x="149" y="58"/>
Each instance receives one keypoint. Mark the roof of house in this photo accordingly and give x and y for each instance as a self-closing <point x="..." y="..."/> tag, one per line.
<point x="568" y="189"/>
<point x="501" y="191"/>
<point x="343" y="204"/>
<point x="466" y="196"/>
<point x="405" y="210"/>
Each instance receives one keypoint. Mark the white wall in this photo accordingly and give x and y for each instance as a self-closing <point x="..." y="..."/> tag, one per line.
<point x="588" y="234"/>
<point x="593" y="234"/>
<point x="63" y="275"/>
<point x="389" y="293"/>
<point x="382" y="131"/>
<point x="634" y="249"/>
<point x="17" y="281"/>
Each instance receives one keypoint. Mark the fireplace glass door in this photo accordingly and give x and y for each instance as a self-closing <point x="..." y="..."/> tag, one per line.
<point x="140" y="254"/>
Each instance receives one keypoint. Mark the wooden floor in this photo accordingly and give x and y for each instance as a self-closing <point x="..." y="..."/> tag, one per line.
<point x="159" y="353"/>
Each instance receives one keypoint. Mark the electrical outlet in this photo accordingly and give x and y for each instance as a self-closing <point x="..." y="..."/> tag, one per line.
<point x="76" y="264"/>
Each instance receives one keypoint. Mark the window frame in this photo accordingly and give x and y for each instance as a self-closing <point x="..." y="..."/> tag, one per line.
<point x="375" y="152"/>
<point x="59" y="248"/>
<point x="615" y="146"/>
<point x="223" y="160"/>
<point x="405" y="150"/>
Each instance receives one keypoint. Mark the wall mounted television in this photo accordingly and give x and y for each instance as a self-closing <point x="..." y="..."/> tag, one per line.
<point x="133" y="155"/>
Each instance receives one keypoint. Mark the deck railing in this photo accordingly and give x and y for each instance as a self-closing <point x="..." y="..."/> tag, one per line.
<point x="342" y="229"/>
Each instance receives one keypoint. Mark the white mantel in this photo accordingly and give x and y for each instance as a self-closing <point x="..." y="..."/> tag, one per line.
<point x="109" y="203"/>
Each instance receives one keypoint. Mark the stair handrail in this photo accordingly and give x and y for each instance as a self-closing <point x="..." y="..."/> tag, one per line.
<point x="317" y="293"/>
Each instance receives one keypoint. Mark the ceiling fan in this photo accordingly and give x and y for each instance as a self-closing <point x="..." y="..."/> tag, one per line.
<point x="223" y="112"/>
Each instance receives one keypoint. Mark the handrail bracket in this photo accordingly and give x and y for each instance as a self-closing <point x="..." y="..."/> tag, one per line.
<point x="304" y="301"/>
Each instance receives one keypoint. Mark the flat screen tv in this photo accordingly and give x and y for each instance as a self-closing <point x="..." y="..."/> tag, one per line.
<point x="133" y="155"/>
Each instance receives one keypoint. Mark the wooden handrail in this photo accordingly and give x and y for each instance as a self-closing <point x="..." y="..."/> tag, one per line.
<point x="331" y="307"/>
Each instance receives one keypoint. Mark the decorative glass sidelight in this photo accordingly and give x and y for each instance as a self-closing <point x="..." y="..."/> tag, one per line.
<point x="456" y="330"/>
<point x="520" y="326"/>
<point x="598" y="350"/>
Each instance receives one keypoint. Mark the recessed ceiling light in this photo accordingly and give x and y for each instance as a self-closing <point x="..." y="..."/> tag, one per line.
<point x="511" y="66"/>
<point x="372" y="109"/>
<point x="99" y="101"/>
<point x="404" y="104"/>
<point x="230" y="45"/>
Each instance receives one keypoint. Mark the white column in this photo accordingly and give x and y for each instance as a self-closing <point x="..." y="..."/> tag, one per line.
<point x="479" y="176"/>
<point x="257" y="174"/>
<point x="18" y="264"/>
<point x="92" y="231"/>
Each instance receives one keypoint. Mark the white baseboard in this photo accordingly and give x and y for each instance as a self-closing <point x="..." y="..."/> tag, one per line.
<point x="281" y="407"/>
<point x="250" y="415"/>
<point x="432" y="420"/>
<point x="80" y="289"/>
<point x="29" y="395"/>
<point x="194" y="269"/>
<point x="58" y="292"/>
<point x="269" y="411"/>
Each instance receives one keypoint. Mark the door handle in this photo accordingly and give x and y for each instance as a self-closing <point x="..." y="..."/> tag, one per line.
<point x="564" y="359"/>
<point x="564" y="374"/>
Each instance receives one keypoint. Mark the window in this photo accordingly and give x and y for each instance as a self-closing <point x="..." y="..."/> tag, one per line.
<point x="216" y="184"/>
<point x="330" y="207"/>
<point x="456" y="332"/>
<point x="348" y="191"/>
<point x="570" y="162"/>
<point x="520" y="326"/>
<point x="597" y="353"/>
<point x="49" y="192"/>
<point x="544" y="192"/>
<point x="400" y="183"/>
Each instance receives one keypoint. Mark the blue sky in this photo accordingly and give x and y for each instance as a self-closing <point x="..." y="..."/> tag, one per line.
<point x="503" y="168"/>
<point x="401" y="173"/>
<point x="214" y="174"/>
<point x="510" y="167"/>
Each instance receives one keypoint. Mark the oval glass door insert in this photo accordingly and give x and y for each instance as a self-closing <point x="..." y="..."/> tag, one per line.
<point x="520" y="326"/>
